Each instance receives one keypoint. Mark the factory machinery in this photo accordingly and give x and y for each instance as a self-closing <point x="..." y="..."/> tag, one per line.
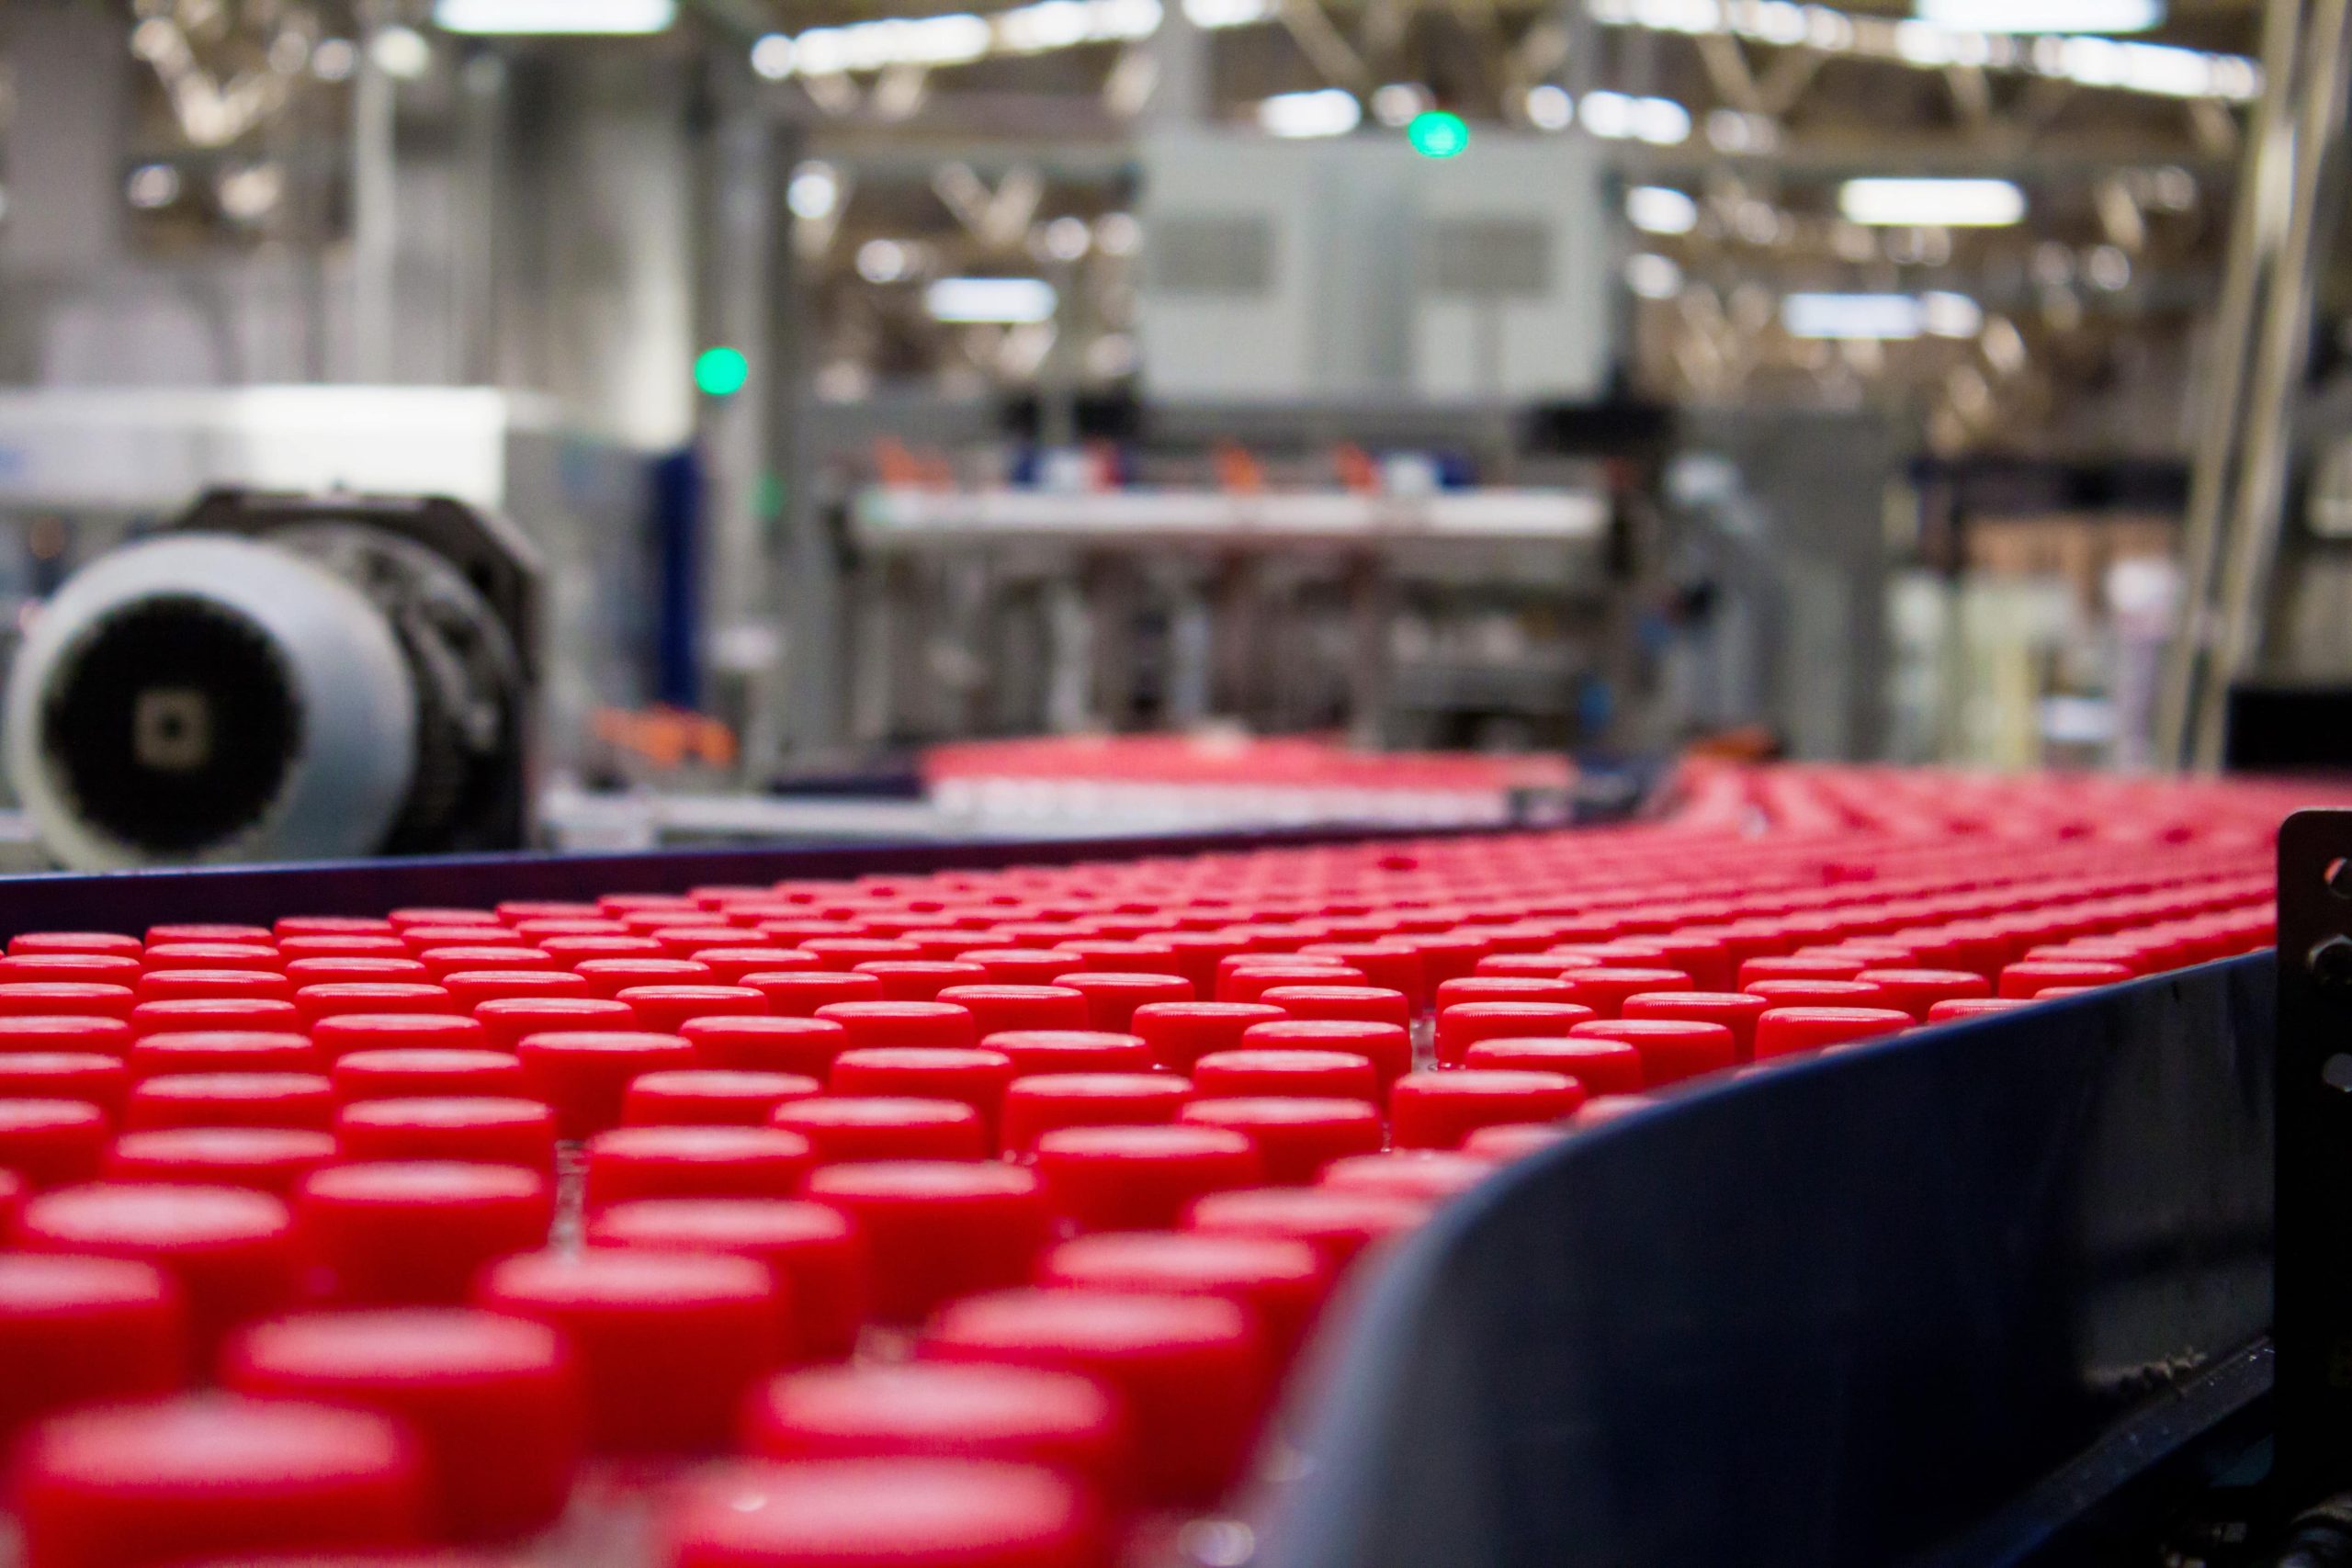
<point x="1838" y="1167"/>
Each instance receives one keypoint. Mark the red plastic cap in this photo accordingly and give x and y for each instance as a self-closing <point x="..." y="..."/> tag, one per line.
<point x="856" y="1128"/>
<point x="921" y="979"/>
<point x="1394" y="966"/>
<point x="729" y="963"/>
<point x="471" y="987"/>
<point x="608" y="977"/>
<point x="902" y="1513"/>
<point x="584" y="1074"/>
<point x="80" y="1330"/>
<point x="1973" y="1007"/>
<point x="1787" y="1032"/>
<point x="1040" y="1104"/>
<point x="883" y="1024"/>
<point x="1735" y="1011"/>
<point x="1386" y="1046"/>
<point x="183" y="1480"/>
<point x="995" y="1008"/>
<point x="938" y="1229"/>
<point x="72" y="967"/>
<point x="1430" y="1176"/>
<point x="1340" y="1226"/>
<point x="267" y="1159"/>
<point x="51" y="1142"/>
<point x="83" y="1076"/>
<point x="468" y="1130"/>
<point x="111" y="943"/>
<point x="315" y="1002"/>
<point x="1798" y="993"/>
<point x="1672" y="1049"/>
<point x="491" y="1401"/>
<point x="168" y="984"/>
<point x="262" y="954"/>
<point x="67" y="1031"/>
<point x="509" y="1021"/>
<point x="1603" y="1067"/>
<point x="1141" y="1178"/>
<point x="1464" y="1024"/>
<point x="233" y="1099"/>
<point x="1063" y="1421"/>
<point x="695" y="1162"/>
<point x="1798" y="967"/>
<point x="1505" y="988"/>
<point x="1338" y="1075"/>
<point x="481" y="958"/>
<point x="666" y="1344"/>
<point x="665" y="1008"/>
<point x="230" y="1251"/>
<point x="1519" y="1139"/>
<point x="1605" y="989"/>
<point x="1917" y="990"/>
<point x="1020" y="965"/>
<point x="1192" y="1370"/>
<point x="425" y="1075"/>
<point x="223" y="1050"/>
<point x="92" y="998"/>
<point x="1364" y="1004"/>
<point x="341" y="971"/>
<point x="805" y="1047"/>
<point x="1248" y="979"/>
<point x="1438" y="1110"/>
<point x="814" y="1251"/>
<point x="711" y="1097"/>
<point x="1041" y="1050"/>
<point x="417" y="1232"/>
<point x="1113" y="996"/>
<point x="1295" y="1138"/>
<point x="1176" y="1035"/>
<point x="1279" y="1283"/>
<point x="968" y="1074"/>
<point x="2030" y="977"/>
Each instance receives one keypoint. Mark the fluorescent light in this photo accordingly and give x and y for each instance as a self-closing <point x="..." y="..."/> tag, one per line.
<point x="1921" y="203"/>
<point x="2043" y="16"/>
<point x="1331" y="111"/>
<point x="1549" y="107"/>
<point x="578" y="16"/>
<point x="1653" y="277"/>
<point x="1615" y="116"/>
<point x="1877" y="316"/>
<point x="1660" y="210"/>
<point x="1012" y="301"/>
<point x="399" y="53"/>
<point x="1945" y="314"/>
<point x="814" y="192"/>
<point x="1229" y="13"/>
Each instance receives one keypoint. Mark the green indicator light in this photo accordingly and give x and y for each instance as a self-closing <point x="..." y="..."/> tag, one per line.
<point x="1437" y="134"/>
<point x="721" y="372"/>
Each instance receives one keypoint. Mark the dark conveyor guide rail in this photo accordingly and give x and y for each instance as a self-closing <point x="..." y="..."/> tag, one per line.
<point x="1851" y="1312"/>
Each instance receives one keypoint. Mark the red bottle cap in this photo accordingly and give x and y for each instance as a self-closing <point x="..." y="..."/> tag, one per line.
<point x="1279" y="1283"/>
<point x="665" y="1007"/>
<point x="804" y="993"/>
<point x="938" y="1229"/>
<point x="110" y="944"/>
<point x="414" y="1232"/>
<point x="425" y="1075"/>
<point x="68" y="1031"/>
<point x="1386" y="1046"/>
<point x="1340" y="1227"/>
<point x="571" y="952"/>
<point x="82" y="1330"/>
<point x="472" y="1130"/>
<point x="1603" y="1067"/>
<point x="423" y="939"/>
<point x="710" y="1097"/>
<point x="1113" y="997"/>
<point x="729" y="961"/>
<point x="267" y="1159"/>
<point x="973" y="1077"/>
<point x="610" y="976"/>
<point x="585" y="1074"/>
<point x="1672" y="1049"/>
<point x="903" y="1512"/>
<point x="1438" y="1110"/>
<point x="1393" y="964"/>
<point x="1798" y="967"/>
<point x="666" y="1344"/>
<point x="1529" y="966"/>
<point x="1430" y="1176"/>
<point x="1519" y="1140"/>
<point x="1111" y="956"/>
<point x="472" y="988"/>
<point x="1972" y="1007"/>
<point x="1506" y="989"/>
<point x="171" y="984"/>
<point x="195" y="931"/>
<point x="72" y="968"/>
<point x="2030" y="977"/>
<point x="920" y="979"/>
<point x="863" y="1128"/>
<point x="402" y="919"/>
<point x="507" y="1021"/>
<point x="212" y="1477"/>
<point x="1446" y="955"/>
<point x="1916" y="990"/>
<point x="1606" y="989"/>
<point x="629" y="1163"/>
<point x="1735" y="1011"/>
<point x="230" y="1251"/>
<point x="1176" y="1035"/>
<point x="305" y="972"/>
<point x="1364" y="1004"/>
<point x="1238" y="1075"/>
<point x="1063" y="1421"/>
<point x="51" y="1142"/>
<point x="223" y="1050"/>
<point x="213" y="955"/>
<point x="478" y="958"/>
<point x="86" y="1075"/>
<point x="1295" y="1138"/>
<point x="803" y="1046"/>
<point x="1044" y="1103"/>
<point x="92" y="998"/>
<point x="1192" y="1370"/>
<point x="813" y="1251"/>
<point x="1819" y="993"/>
<point x="492" y="1401"/>
<point x="1464" y="1024"/>
<point x="231" y="1099"/>
<point x="1250" y="977"/>
<point x="1789" y="1030"/>
<point x="1019" y="966"/>
<point x="996" y="1008"/>
<point x="1043" y="1051"/>
<point x="316" y="1002"/>
<point x="1140" y="1178"/>
<point x="882" y="1023"/>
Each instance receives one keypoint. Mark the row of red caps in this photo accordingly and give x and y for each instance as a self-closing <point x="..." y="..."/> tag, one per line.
<point x="981" y="1206"/>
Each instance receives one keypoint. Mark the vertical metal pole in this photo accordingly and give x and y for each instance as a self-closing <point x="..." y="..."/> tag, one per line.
<point x="812" y="590"/>
<point x="375" y="212"/>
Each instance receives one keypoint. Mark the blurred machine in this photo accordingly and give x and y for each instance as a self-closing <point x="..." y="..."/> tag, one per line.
<point x="283" y="677"/>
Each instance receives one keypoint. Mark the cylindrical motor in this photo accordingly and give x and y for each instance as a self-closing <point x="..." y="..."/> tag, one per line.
<point x="329" y="689"/>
